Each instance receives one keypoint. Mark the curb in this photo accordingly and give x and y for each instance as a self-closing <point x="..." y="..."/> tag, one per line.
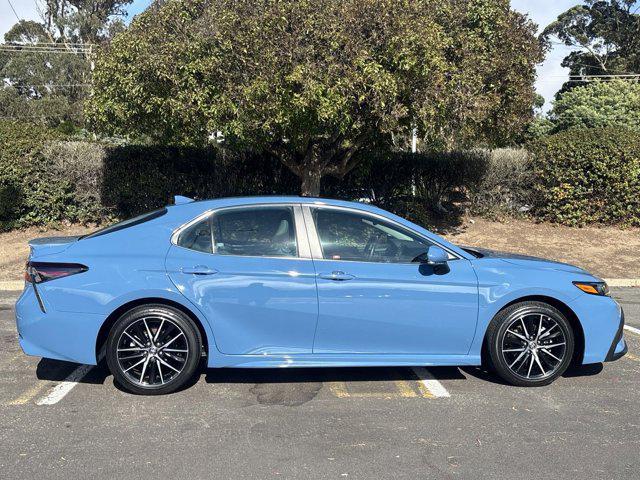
<point x="623" y="282"/>
<point x="12" y="285"/>
<point x="18" y="285"/>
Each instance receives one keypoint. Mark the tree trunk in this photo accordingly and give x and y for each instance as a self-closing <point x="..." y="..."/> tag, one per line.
<point x="310" y="182"/>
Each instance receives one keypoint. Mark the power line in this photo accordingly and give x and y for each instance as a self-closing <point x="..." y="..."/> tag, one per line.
<point x="14" y="11"/>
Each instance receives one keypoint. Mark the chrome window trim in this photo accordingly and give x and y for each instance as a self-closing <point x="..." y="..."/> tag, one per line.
<point x="314" y="238"/>
<point x="302" y="240"/>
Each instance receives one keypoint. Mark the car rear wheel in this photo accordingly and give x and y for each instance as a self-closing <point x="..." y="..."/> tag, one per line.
<point x="153" y="349"/>
<point x="530" y="344"/>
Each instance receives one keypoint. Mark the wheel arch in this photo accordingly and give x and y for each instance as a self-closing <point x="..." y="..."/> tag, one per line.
<point x="103" y="333"/>
<point x="571" y="316"/>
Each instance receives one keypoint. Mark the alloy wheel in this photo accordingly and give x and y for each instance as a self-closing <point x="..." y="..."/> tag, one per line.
<point x="152" y="351"/>
<point x="534" y="346"/>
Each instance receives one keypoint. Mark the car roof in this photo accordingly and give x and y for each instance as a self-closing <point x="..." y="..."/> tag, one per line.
<point x="273" y="199"/>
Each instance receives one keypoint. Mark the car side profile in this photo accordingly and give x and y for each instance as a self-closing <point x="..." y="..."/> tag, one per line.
<point x="266" y="282"/>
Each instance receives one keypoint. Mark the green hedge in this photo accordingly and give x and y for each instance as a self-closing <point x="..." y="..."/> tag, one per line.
<point x="587" y="176"/>
<point x="575" y="177"/>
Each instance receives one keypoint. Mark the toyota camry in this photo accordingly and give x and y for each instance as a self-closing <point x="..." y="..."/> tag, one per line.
<point x="269" y="282"/>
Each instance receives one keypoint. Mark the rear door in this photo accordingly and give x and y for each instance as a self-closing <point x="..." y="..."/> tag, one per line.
<point x="249" y="270"/>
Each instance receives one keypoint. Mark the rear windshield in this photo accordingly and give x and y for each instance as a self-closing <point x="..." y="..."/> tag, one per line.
<point x="145" y="217"/>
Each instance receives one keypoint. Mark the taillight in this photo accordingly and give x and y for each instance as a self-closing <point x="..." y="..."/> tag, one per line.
<point x="38" y="272"/>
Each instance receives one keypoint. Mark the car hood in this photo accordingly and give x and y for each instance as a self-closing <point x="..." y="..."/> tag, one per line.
<point x="527" y="260"/>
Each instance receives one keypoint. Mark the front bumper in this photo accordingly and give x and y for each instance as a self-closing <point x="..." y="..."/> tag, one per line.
<point x="619" y="347"/>
<point x="602" y="321"/>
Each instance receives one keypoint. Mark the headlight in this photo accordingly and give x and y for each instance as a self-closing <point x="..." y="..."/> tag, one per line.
<point x="593" y="288"/>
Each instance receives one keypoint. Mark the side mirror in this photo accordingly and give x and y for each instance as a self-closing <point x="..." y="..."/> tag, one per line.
<point x="437" y="256"/>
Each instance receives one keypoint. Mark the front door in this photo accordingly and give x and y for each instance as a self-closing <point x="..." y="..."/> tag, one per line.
<point x="249" y="271"/>
<point x="374" y="295"/>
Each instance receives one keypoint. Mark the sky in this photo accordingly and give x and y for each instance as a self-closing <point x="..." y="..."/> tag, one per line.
<point x="551" y="75"/>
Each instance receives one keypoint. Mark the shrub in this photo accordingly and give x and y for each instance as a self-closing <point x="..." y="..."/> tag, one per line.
<point x="588" y="176"/>
<point x="425" y="188"/>
<point x="140" y="178"/>
<point x="505" y="186"/>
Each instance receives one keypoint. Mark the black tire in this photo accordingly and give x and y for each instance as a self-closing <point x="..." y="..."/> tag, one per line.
<point x="544" y="359"/>
<point x="163" y="324"/>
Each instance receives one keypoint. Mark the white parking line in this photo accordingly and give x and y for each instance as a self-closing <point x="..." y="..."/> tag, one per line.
<point x="632" y="329"/>
<point x="430" y="383"/>
<point x="58" y="392"/>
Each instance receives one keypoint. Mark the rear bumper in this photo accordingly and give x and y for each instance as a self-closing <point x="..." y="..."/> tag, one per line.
<point x="619" y="347"/>
<point x="57" y="335"/>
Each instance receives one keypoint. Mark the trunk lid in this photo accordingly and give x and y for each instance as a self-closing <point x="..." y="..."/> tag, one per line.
<point x="41" y="247"/>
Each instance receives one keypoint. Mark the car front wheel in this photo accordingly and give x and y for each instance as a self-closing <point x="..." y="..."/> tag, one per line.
<point x="153" y="350"/>
<point x="530" y="344"/>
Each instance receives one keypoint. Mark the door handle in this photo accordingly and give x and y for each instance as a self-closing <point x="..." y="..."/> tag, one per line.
<point x="337" y="276"/>
<point x="199" y="270"/>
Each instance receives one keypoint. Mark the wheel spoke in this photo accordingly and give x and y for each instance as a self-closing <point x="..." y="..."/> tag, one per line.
<point x="539" y="328"/>
<point x="133" y="349"/>
<point x="134" y="340"/>
<point x="530" y="365"/>
<point x="518" y="358"/>
<point x="524" y="327"/>
<point x="554" y="345"/>
<point x="137" y="355"/>
<point x="160" y="372"/>
<point x="540" y="364"/>
<point x="144" y="368"/>
<point x="146" y="326"/>
<point x="512" y="350"/>
<point x="134" y="365"/>
<point x="548" y="332"/>
<point x="518" y="335"/>
<point x="543" y="350"/>
<point x="177" y="350"/>
<point x="159" y="330"/>
<point x="167" y="365"/>
<point x="170" y="341"/>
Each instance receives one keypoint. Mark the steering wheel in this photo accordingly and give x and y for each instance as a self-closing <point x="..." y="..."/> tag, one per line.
<point x="370" y="248"/>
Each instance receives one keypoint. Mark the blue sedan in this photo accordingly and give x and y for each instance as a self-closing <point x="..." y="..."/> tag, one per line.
<point x="299" y="282"/>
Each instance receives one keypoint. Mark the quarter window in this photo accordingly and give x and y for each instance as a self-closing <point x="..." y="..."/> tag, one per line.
<point x="257" y="232"/>
<point x="197" y="236"/>
<point x="363" y="238"/>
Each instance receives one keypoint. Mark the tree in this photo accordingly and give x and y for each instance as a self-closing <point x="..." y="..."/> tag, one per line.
<point x="315" y="81"/>
<point x="605" y="35"/>
<point x="598" y="104"/>
<point x="43" y="67"/>
<point x="86" y="21"/>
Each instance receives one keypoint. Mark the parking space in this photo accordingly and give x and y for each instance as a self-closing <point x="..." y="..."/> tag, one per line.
<point x="61" y="420"/>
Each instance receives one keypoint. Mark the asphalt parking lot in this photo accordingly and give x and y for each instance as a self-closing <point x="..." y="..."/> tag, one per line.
<point x="320" y="423"/>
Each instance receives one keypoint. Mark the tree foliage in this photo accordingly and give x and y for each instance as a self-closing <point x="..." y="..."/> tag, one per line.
<point x="43" y="81"/>
<point x="314" y="82"/>
<point x="605" y="35"/>
<point x="599" y="104"/>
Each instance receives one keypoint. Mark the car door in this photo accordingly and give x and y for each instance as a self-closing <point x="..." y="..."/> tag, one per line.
<point x="249" y="271"/>
<point x="373" y="298"/>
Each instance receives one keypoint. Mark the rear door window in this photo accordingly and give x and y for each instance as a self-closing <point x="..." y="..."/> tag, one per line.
<point x="255" y="232"/>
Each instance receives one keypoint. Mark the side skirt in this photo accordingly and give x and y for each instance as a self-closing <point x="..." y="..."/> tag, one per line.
<point x="340" y="360"/>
